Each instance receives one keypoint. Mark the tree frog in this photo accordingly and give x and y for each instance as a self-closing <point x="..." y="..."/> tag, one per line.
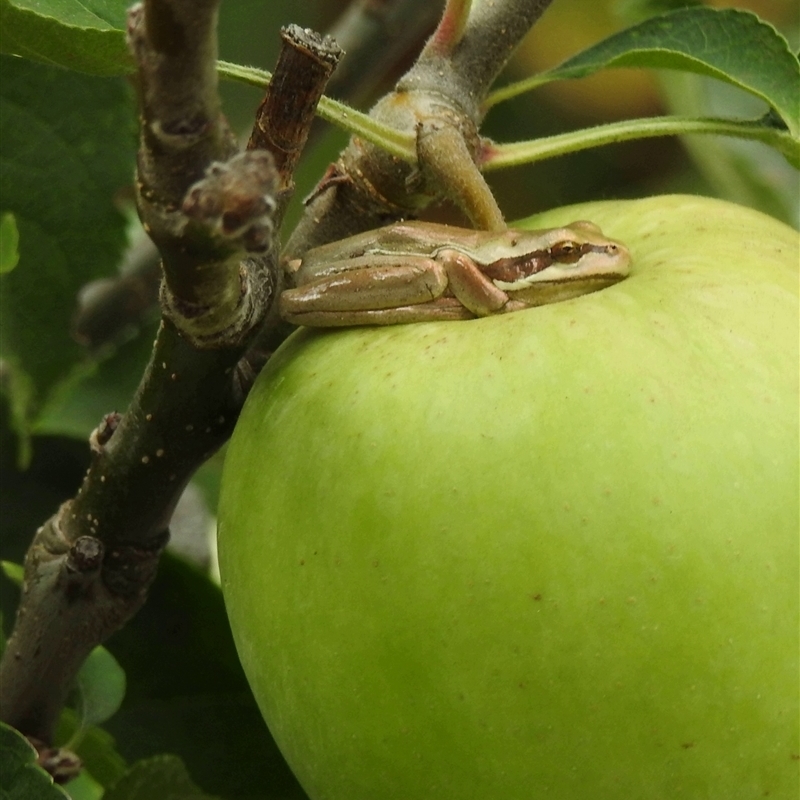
<point x="420" y="271"/>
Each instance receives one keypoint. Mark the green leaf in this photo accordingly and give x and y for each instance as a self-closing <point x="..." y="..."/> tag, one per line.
<point x="96" y="748"/>
<point x="14" y="572"/>
<point x="84" y="787"/>
<point x="184" y="622"/>
<point x="743" y="172"/>
<point x="20" y="777"/>
<point x="192" y="697"/>
<point x="101" y="684"/>
<point x="68" y="147"/>
<point x="77" y="410"/>
<point x="636" y="10"/>
<point x="9" y="243"/>
<point x="86" y="36"/>
<point x="730" y="45"/>
<point x="164" y="777"/>
<point x="222" y="738"/>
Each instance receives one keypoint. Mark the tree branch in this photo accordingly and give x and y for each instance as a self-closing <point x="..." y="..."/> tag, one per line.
<point x="378" y="39"/>
<point x="439" y="100"/>
<point x="465" y="69"/>
<point x="305" y="64"/>
<point x="89" y="567"/>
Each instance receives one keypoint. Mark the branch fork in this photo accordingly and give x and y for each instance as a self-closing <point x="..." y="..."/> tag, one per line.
<point x="438" y="101"/>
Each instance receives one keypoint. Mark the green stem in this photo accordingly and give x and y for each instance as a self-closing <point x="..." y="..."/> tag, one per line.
<point x="515" y="89"/>
<point x="514" y="154"/>
<point x="398" y="144"/>
<point x="403" y="145"/>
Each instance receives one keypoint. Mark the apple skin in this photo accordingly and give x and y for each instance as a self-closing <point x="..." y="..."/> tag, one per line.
<point x="547" y="554"/>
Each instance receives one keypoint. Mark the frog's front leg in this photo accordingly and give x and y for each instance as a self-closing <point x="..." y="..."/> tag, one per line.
<point x="354" y="291"/>
<point x="471" y="287"/>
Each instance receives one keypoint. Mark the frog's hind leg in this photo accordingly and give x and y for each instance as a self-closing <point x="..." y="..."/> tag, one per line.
<point x="415" y="280"/>
<point x="443" y="308"/>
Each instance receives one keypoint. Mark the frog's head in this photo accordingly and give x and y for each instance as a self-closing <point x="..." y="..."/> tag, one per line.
<point x="566" y="262"/>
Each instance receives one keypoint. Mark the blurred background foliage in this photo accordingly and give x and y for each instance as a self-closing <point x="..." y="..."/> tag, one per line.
<point x="191" y="698"/>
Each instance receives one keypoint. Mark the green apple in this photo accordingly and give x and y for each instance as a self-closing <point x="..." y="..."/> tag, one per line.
<point x="547" y="554"/>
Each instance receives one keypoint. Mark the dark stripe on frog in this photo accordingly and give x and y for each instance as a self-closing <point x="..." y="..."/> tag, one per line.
<point x="518" y="267"/>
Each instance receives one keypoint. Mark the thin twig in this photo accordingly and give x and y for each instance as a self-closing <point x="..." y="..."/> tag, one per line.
<point x="305" y="64"/>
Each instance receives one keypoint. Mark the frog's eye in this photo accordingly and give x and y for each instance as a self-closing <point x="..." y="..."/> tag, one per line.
<point x="566" y="252"/>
